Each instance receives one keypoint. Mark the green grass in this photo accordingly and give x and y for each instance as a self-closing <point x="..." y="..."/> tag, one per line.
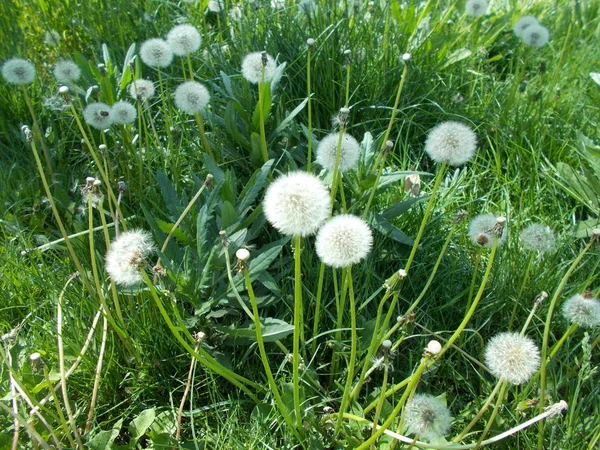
<point x="526" y="105"/>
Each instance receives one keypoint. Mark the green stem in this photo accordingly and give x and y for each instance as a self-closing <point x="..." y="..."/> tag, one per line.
<point x="521" y="289"/>
<point x="480" y="413"/>
<point x="38" y="132"/>
<point x="318" y="306"/>
<point x="381" y="398"/>
<point x="205" y="143"/>
<point x="261" y="113"/>
<point x="497" y="406"/>
<point x="309" y="106"/>
<point x="297" y="331"/>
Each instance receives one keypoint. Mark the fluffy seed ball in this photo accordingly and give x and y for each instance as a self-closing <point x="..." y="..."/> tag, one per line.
<point x="252" y="66"/>
<point x="427" y="417"/>
<point x="297" y="204"/>
<point x="539" y="238"/>
<point x="156" y="53"/>
<point x="123" y="113"/>
<point x="215" y="6"/>
<point x="343" y="241"/>
<point x="481" y="231"/>
<point x="97" y="115"/>
<point x="67" y="72"/>
<point x="127" y="257"/>
<point x="349" y="152"/>
<point x="512" y="357"/>
<point x="191" y="97"/>
<point x="522" y="24"/>
<point x="476" y="8"/>
<point x="451" y="142"/>
<point x="184" y="39"/>
<point x="583" y="311"/>
<point x="142" y="89"/>
<point x="18" y="71"/>
<point x="536" y="35"/>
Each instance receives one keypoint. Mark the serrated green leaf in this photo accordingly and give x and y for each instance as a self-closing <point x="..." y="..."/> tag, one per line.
<point x="253" y="187"/>
<point x="170" y="195"/>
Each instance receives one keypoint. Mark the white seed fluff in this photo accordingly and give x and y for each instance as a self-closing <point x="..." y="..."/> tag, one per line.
<point x="297" y="204"/>
<point x="252" y="67"/>
<point x="67" y="71"/>
<point x="349" y="152"/>
<point x="476" y="8"/>
<point x="583" y="311"/>
<point x="142" y="89"/>
<point x="52" y="38"/>
<point x="451" y="142"/>
<point x="97" y="115"/>
<point x="344" y="240"/>
<point x="538" y="238"/>
<point x="215" y="6"/>
<point x="18" y="71"/>
<point x="427" y="417"/>
<point x="127" y="256"/>
<point x="536" y="35"/>
<point x="156" y="52"/>
<point x="512" y="357"/>
<point x="191" y="97"/>
<point x="522" y="24"/>
<point x="123" y="113"/>
<point x="480" y="231"/>
<point x="184" y="39"/>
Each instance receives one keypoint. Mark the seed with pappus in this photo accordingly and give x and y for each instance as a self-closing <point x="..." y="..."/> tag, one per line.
<point x="451" y="142"/>
<point x="476" y="8"/>
<point x="184" y="39"/>
<point x="481" y="231"/>
<point x="536" y="35"/>
<point x="156" y="53"/>
<point x="539" y="238"/>
<point x="18" y="71"/>
<point x="191" y="97"/>
<point x="344" y="240"/>
<point x="67" y="71"/>
<point x="522" y="24"/>
<point x="583" y="311"/>
<point x="297" y="204"/>
<point x="123" y="113"/>
<point x="127" y="257"/>
<point x="427" y="417"/>
<point x="97" y="115"/>
<point x="349" y="152"/>
<point x="252" y="66"/>
<point x="142" y="89"/>
<point x="512" y="357"/>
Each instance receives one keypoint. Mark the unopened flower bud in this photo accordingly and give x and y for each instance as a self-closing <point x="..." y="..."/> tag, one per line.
<point x="386" y="345"/>
<point x="310" y="42"/>
<point x="433" y="347"/>
<point x="406" y="57"/>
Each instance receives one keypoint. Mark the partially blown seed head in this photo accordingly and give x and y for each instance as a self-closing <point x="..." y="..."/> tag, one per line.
<point x="482" y="231"/>
<point x="349" y="152"/>
<point x="252" y="66"/>
<point x="128" y="255"/>
<point x="123" y="113"/>
<point x="142" y="89"/>
<point x="512" y="357"/>
<point x="191" y="97"/>
<point x="427" y="417"/>
<point x="539" y="238"/>
<point x="67" y="72"/>
<point x="156" y="52"/>
<point x="451" y="142"/>
<point x="97" y="115"/>
<point x="184" y="39"/>
<point x="583" y="311"/>
<point x="18" y="71"/>
<point x="343" y="241"/>
<point x="476" y="8"/>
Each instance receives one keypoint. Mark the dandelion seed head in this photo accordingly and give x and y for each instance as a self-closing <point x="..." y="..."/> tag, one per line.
<point x="512" y="357"/>
<point x="123" y="113"/>
<point x="52" y="38"/>
<point x="235" y="13"/>
<point x="97" y="115"/>
<point x="481" y="231"/>
<point x="127" y="256"/>
<point x="215" y="6"/>
<point x="67" y="72"/>
<point x="252" y="66"/>
<point x="539" y="238"/>
<point x="476" y="8"/>
<point x="582" y="310"/>
<point x="344" y="240"/>
<point x="142" y="89"/>
<point x="184" y="39"/>
<point x="349" y="152"/>
<point x="18" y="71"/>
<point x="451" y="142"/>
<point x="522" y="24"/>
<point x="191" y="97"/>
<point x="297" y="204"/>
<point x="156" y="52"/>
<point x="536" y="35"/>
<point x="427" y="417"/>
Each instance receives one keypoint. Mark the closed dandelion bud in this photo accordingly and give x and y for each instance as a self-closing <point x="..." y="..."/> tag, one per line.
<point x="512" y="357"/>
<point x="476" y="8"/>
<point x="36" y="360"/>
<point x="310" y="42"/>
<point x="123" y="113"/>
<point x="97" y="115"/>
<point x="522" y="24"/>
<point x="536" y="35"/>
<point x="18" y="71"/>
<point x="538" y="238"/>
<point x="327" y="150"/>
<point x="482" y="230"/>
<point x="297" y="204"/>
<point x="582" y="310"/>
<point x="242" y="255"/>
<point x="433" y="347"/>
<point x="127" y="257"/>
<point x="386" y="345"/>
<point x="406" y="57"/>
<point x="156" y="52"/>
<point x="344" y="240"/>
<point x="142" y="89"/>
<point x="427" y="417"/>
<point x="67" y="72"/>
<point x="451" y="142"/>
<point x="191" y="97"/>
<point x="184" y="39"/>
<point x="252" y="67"/>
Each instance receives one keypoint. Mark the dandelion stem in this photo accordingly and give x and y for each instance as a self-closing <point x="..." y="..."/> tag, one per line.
<point x="297" y="331"/>
<point x="37" y="130"/>
<point x="309" y="106"/>
<point x="18" y="419"/>
<point x="480" y="413"/>
<point x="205" y="143"/>
<point x="521" y="289"/>
<point x="88" y="423"/>
<point x="188" y="386"/>
<point x="380" y="398"/>
<point x="261" y="114"/>
<point x="318" y="305"/>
